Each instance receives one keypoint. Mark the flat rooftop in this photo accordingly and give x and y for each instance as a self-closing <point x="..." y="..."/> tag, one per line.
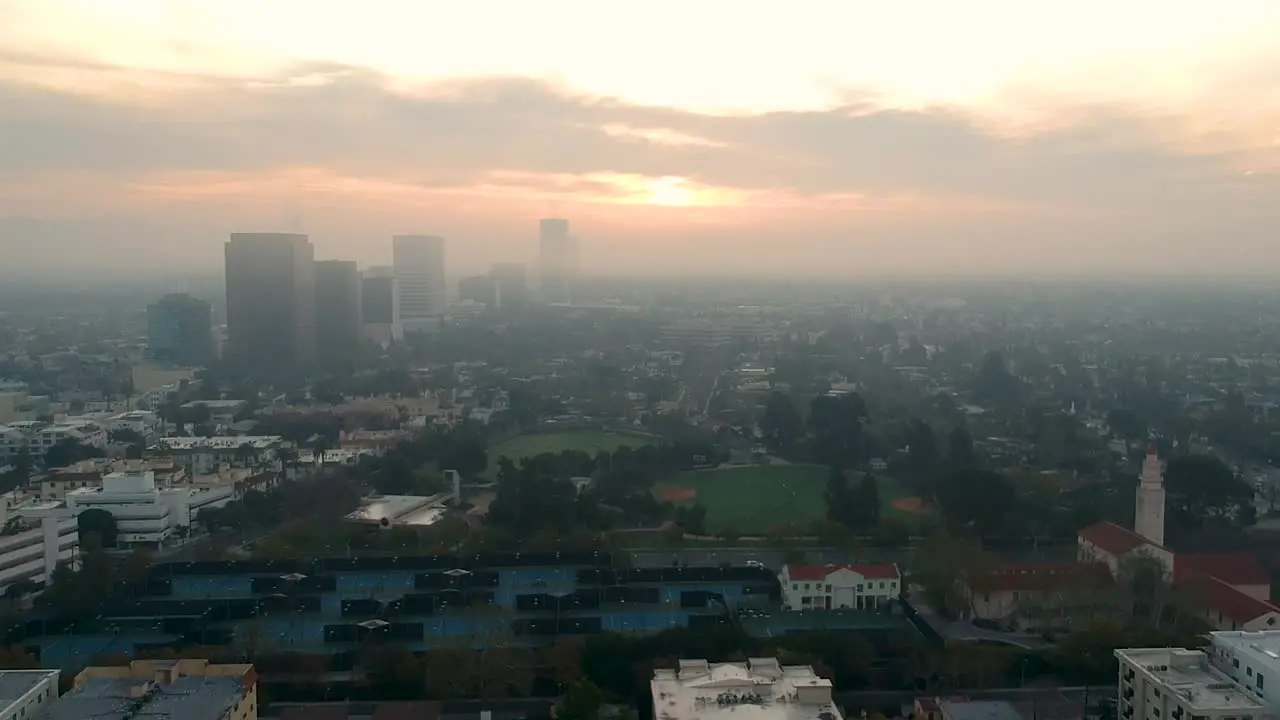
<point x="401" y="509"/>
<point x="189" y="698"/>
<point x="16" y="683"/>
<point x="759" y="689"/>
<point x="979" y="710"/>
<point x="227" y="442"/>
<point x="1188" y="674"/>
<point x="1266" y="642"/>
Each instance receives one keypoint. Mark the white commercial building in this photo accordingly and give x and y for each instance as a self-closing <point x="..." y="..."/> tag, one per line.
<point x="204" y="456"/>
<point x="145" y="514"/>
<point x="37" y="437"/>
<point x="26" y="693"/>
<point x="420" y="280"/>
<point x="759" y="689"/>
<point x="40" y="535"/>
<point x="836" y="587"/>
<point x="1179" y="684"/>
<point x="1249" y="658"/>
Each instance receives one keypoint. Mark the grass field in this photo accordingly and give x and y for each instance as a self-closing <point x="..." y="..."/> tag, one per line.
<point x="750" y="499"/>
<point x="588" y="441"/>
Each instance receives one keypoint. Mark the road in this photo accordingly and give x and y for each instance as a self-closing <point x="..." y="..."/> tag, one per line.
<point x="1065" y="702"/>
<point x="775" y="559"/>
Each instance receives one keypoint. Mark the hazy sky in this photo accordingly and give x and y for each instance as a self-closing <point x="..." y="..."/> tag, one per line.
<point x="832" y="136"/>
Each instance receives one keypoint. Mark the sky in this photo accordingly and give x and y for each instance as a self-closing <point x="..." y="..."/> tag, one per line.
<point x="812" y="137"/>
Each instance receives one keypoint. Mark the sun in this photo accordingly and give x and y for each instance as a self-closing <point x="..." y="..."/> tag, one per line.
<point x="670" y="191"/>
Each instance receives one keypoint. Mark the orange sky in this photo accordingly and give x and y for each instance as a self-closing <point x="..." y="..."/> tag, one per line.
<point x="833" y="137"/>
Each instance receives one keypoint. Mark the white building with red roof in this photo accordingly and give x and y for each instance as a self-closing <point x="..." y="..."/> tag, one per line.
<point x="1233" y="590"/>
<point x="836" y="587"/>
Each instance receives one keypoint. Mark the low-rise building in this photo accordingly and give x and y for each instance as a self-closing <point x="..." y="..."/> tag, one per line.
<point x="834" y="587"/>
<point x="1180" y="684"/>
<point x="1036" y="595"/>
<point x="146" y="515"/>
<point x="186" y="689"/>
<point x="27" y="693"/>
<point x="759" y="689"/>
<point x="202" y="456"/>
<point x="221" y="412"/>
<point x="37" y="437"/>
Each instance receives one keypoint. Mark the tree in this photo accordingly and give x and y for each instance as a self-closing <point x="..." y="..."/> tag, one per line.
<point x="980" y="499"/>
<point x="782" y="425"/>
<point x="867" y="502"/>
<point x="69" y="451"/>
<point x="1202" y="487"/>
<point x="836" y="425"/>
<point x="99" y="522"/>
<point x="1126" y="423"/>
<point x="995" y="384"/>
<point x="582" y="701"/>
<point x="839" y="498"/>
<point x="960" y="447"/>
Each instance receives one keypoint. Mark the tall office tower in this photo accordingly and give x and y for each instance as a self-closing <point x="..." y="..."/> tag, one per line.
<point x="483" y="289"/>
<point x="271" y="298"/>
<point x="380" y="306"/>
<point x="419" y="267"/>
<point x="513" y="284"/>
<point x="338" y="296"/>
<point x="180" y="330"/>
<point x="558" y="260"/>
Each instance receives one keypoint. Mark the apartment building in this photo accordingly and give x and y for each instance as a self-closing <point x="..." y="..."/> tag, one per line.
<point x="189" y="689"/>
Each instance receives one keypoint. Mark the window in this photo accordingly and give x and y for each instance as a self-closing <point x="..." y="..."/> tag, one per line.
<point x="795" y="586"/>
<point x="806" y="586"/>
<point x="1248" y="671"/>
<point x="1259" y="678"/>
<point x="881" y="586"/>
<point x="1157" y="692"/>
<point x="828" y="588"/>
<point x="1235" y="663"/>
<point x="859" y="588"/>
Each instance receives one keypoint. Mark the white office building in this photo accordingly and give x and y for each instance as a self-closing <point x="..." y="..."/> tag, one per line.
<point x="145" y="514"/>
<point x="40" y="535"/>
<point x="37" y="437"/>
<point x="418" y="261"/>
<point x="1251" y="659"/>
<point x="759" y="689"/>
<point x="26" y="694"/>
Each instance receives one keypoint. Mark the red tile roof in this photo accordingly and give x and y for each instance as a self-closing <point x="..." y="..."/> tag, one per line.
<point x="1234" y="604"/>
<point x="1113" y="539"/>
<point x="1043" y="576"/>
<point x="812" y="573"/>
<point x="1235" y="569"/>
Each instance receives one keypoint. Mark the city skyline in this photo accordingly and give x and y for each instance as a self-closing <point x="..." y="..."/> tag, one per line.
<point x="933" y="138"/>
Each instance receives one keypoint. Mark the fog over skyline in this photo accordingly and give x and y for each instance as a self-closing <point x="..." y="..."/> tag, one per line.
<point x="829" y="138"/>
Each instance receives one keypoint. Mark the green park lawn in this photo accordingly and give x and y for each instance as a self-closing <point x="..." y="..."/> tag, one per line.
<point x="587" y="441"/>
<point x="751" y="499"/>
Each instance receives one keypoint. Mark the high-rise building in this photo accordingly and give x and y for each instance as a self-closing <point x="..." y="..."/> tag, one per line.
<point x="419" y="269"/>
<point x="180" y="330"/>
<point x="271" y="296"/>
<point x="513" y="284"/>
<point x="338" y="317"/>
<point x="380" y="306"/>
<point x="558" y="260"/>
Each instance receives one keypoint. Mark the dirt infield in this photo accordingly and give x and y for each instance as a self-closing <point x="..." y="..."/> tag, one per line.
<point x="910" y="505"/>
<point x="675" y="494"/>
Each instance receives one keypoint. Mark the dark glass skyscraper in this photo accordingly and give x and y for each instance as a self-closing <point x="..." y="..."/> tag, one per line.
<point x="337" y="314"/>
<point x="180" y="330"/>
<point x="271" y="296"/>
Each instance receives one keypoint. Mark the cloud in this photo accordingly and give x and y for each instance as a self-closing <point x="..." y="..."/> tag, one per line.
<point x="358" y="137"/>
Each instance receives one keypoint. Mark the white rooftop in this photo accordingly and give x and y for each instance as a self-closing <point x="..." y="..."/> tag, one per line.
<point x="401" y="509"/>
<point x="1266" y="642"/>
<point x="758" y="689"/>
<point x="1187" y="674"/>
<point x="226" y="442"/>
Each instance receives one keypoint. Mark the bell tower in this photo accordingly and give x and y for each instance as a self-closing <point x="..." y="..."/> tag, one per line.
<point x="1149" y="517"/>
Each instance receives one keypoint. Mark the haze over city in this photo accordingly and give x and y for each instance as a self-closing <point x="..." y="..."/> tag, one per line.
<point x="832" y="138"/>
